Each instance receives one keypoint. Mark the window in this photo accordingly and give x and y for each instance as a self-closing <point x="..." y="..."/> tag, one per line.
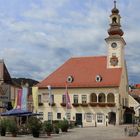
<point x="41" y="114"/>
<point x="114" y="20"/>
<point x="84" y="99"/>
<point x="89" y="117"/>
<point x="68" y="116"/>
<point x="75" y="99"/>
<point x="110" y="98"/>
<point x="93" y="97"/>
<point x="101" y="98"/>
<point x="63" y="98"/>
<point x="39" y="98"/>
<point x="99" y="118"/>
<point x="50" y="116"/>
<point x="52" y="98"/>
<point x="58" y="115"/>
<point x="70" y="79"/>
<point x="98" y="78"/>
<point x="45" y="97"/>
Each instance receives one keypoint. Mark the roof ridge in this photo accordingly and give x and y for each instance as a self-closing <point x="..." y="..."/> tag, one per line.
<point x="87" y="57"/>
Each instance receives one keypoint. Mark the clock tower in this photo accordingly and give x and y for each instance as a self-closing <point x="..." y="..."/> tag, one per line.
<point x="115" y="41"/>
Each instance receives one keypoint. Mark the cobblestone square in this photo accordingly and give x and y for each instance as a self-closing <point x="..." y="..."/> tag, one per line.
<point x="89" y="133"/>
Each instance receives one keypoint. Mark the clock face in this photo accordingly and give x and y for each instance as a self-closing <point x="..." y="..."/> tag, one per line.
<point x="114" y="45"/>
<point x="114" y="61"/>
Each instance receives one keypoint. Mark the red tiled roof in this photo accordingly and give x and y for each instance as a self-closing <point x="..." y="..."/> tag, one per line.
<point x="84" y="70"/>
<point x="137" y="85"/>
<point x="135" y="92"/>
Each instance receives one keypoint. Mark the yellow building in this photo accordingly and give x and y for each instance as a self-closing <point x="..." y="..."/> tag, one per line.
<point x="97" y="86"/>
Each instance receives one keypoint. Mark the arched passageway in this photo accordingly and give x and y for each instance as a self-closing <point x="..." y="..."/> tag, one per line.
<point x="93" y="97"/>
<point x="101" y="98"/>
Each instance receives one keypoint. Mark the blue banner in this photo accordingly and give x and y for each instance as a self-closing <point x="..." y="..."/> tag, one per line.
<point x="24" y="98"/>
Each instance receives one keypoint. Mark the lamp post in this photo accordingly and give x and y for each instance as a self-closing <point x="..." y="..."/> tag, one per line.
<point x="50" y="101"/>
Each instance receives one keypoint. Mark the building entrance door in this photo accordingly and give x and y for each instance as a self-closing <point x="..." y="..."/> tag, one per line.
<point x="112" y="118"/>
<point x="79" y="118"/>
<point x="128" y="118"/>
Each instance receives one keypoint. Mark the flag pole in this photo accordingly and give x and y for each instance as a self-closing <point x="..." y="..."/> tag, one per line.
<point x="66" y="102"/>
<point x="50" y="101"/>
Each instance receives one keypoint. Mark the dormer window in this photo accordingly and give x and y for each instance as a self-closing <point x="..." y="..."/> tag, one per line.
<point x="98" y="78"/>
<point x="70" y="79"/>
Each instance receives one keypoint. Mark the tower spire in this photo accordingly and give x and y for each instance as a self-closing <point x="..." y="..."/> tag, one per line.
<point x="115" y="41"/>
<point x="115" y="22"/>
<point x="115" y="3"/>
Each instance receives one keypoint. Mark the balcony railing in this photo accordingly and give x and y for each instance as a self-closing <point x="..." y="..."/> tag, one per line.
<point x="84" y="104"/>
<point x="52" y="104"/>
<point x="40" y="104"/>
<point x="111" y="104"/>
<point x="101" y="104"/>
<point x="93" y="104"/>
<point x="75" y="104"/>
<point x="63" y="104"/>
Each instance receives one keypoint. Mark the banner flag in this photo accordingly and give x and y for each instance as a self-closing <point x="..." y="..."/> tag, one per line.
<point x="15" y="103"/>
<point x="68" y="105"/>
<point x="19" y="96"/>
<point x="35" y="98"/>
<point x="24" y="98"/>
<point x="50" y="96"/>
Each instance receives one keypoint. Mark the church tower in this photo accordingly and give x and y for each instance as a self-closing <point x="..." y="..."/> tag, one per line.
<point x="115" y="41"/>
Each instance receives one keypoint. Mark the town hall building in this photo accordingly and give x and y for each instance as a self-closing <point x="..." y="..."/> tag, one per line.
<point x="97" y="85"/>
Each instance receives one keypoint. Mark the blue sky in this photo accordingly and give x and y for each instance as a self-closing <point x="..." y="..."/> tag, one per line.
<point x="37" y="36"/>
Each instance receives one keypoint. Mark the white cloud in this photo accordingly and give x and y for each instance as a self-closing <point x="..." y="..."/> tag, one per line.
<point x="43" y="35"/>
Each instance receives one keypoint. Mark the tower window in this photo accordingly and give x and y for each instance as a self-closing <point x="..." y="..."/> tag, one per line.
<point x="114" y="20"/>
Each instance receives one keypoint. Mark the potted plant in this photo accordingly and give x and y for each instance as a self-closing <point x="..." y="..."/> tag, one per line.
<point x="35" y="126"/>
<point x="64" y="125"/>
<point x="12" y="127"/>
<point x="3" y="126"/>
<point x="48" y="127"/>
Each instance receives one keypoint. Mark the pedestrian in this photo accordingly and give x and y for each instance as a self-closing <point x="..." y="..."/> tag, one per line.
<point x="125" y="130"/>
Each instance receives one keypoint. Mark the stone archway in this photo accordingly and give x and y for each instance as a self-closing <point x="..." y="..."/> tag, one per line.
<point x="112" y="118"/>
<point x="110" y="98"/>
<point x="93" y="97"/>
<point x="101" y="98"/>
